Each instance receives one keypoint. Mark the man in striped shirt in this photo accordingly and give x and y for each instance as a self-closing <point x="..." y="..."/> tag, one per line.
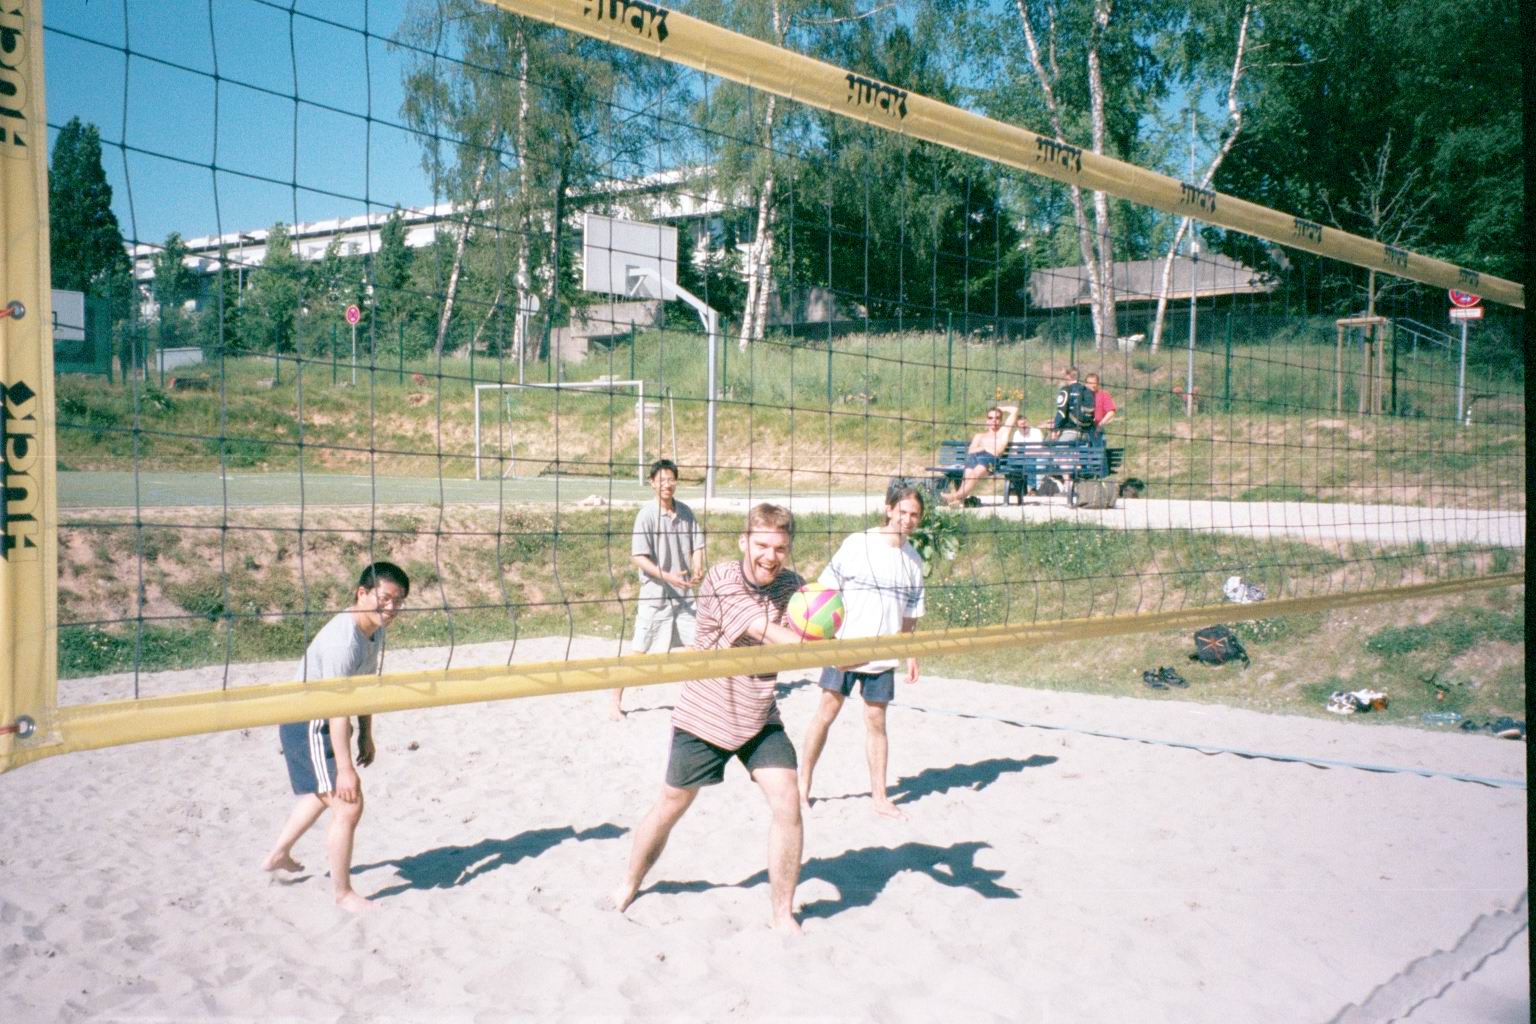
<point x="741" y="604"/>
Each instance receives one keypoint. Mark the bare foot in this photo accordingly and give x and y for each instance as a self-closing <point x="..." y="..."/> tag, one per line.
<point x="352" y="901"/>
<point x="886" y="809"/>
<point x="623" y="896"/>
<point x="281" y="862"/>
<point x="786" y="924"/>
<point x="615" y="713"/>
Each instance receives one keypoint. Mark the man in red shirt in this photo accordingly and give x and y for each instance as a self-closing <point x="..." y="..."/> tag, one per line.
<point x="741" y="604"/>
<point x="1103" y="405"/>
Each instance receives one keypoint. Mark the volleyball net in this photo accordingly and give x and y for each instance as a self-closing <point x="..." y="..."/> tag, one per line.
<point x="647" y="236"/>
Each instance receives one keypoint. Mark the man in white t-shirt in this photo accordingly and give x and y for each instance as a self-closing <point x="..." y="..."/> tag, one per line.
<point x="880" y="575"/>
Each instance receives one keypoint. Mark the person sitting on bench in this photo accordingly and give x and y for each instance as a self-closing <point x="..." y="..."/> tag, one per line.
<point x="985" y="452"/>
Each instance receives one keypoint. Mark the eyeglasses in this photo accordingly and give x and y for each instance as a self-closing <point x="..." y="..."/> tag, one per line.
<point x="385" y="599"/>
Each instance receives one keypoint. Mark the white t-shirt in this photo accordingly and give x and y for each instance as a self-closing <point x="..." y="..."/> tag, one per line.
<point x="881" y="585"/>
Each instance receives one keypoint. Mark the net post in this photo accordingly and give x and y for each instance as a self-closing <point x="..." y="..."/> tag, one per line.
<point x="28" y="501"/>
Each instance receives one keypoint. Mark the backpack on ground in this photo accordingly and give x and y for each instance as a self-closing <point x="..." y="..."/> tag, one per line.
<point x="1094" y="493"/>
<point x="1217" y="645"/>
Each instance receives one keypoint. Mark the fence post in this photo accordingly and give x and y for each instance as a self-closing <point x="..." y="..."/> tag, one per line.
<point x="400" y="335"/>
<point x="949" y="358"/>
<point x="829" y="365"/>
<point x="333" y="355"/>
<point x="1226" y="387"/>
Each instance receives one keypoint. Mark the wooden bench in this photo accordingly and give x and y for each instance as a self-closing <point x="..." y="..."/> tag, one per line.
<point x="1086" y="459"/>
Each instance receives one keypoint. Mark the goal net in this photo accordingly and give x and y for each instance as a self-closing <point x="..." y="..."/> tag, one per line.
<point x="526" y="430"/>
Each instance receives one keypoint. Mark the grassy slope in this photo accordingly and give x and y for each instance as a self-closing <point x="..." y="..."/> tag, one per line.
<point x="240" y="593"/>
<point x="892" y="399"/>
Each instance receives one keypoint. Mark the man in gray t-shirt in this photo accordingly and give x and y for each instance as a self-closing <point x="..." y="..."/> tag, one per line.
<point x="318" y="753"/>
<point x="667" y="547"/>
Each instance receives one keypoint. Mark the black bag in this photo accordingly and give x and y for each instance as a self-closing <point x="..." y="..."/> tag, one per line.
<point x="1217" y="645"/>
<point x="1074" y="407"/>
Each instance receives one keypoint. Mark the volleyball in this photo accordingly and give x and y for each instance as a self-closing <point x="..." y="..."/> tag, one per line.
<point x="815" y="611"/>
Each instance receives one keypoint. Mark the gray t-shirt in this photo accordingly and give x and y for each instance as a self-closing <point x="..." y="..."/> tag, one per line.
<point x="340" y="649"/>
<point x="668" y="539"/>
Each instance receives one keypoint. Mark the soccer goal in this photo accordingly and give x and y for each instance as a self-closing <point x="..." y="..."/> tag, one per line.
<point x="568" y="428"/>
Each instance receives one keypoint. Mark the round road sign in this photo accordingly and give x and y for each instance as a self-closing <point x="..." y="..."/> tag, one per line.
<point x="1464" y="299"/>
<point x="354" y="314"/>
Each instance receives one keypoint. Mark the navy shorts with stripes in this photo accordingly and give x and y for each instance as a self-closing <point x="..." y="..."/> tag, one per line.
<point x="310" y="757"/>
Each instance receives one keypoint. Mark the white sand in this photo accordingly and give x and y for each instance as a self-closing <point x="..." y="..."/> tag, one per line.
<point x="1044" y="874"/>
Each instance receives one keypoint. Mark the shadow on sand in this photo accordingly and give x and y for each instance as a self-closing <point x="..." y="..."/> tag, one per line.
<point x="861" y="875"/>
<point x="449" y="866"/>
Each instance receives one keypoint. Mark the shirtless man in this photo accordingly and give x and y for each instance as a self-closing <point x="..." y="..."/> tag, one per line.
<point x="987" y="447"/>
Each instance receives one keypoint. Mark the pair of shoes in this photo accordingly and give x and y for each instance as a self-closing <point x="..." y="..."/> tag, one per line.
<point x="1172" y="677"/>
<point x="1154" y="679"/>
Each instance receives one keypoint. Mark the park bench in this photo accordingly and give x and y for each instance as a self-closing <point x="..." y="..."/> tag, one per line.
<point x="1085" y="459"/>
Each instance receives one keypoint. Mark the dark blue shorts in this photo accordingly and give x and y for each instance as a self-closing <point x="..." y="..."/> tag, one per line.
<point x="874" y="687"/>
<point x="985" y="459"/>
<point x="311" y="760"/>
<point x="695" y="762"/>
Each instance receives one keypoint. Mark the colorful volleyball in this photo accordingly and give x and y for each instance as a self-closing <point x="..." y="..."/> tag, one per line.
<point x="815" y="611"/>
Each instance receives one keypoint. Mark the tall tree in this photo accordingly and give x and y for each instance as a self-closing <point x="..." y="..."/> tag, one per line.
<point x="174" y="283"/>
<point x="273" y="302"/>
<point x="84" y="238"/>
<point x="1336" y="77"/>
<point x="752" y="131"/>
<point x="1202" y="54"/>
<point x="518" y="121"/>
<point x="390" y="277"/>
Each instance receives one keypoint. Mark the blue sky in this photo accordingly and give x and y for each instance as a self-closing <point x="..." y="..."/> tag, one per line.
<point x="143" y="72"/>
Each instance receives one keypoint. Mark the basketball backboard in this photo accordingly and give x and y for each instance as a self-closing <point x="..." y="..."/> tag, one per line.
<point x="614" y="253"/>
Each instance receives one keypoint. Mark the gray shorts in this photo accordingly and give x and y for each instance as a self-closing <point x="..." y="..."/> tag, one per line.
<point x="874" y="687"/>
<point x="695" y="762"/>
<point x="662" y="623"/>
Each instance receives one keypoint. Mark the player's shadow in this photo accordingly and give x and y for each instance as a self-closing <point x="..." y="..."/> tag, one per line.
<point x="859" y="876"/>
<point x="450" y="866"/>
<point x="975" y="777"/>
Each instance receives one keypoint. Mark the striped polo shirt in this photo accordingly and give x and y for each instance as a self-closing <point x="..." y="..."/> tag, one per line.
<point x="730" y="711"/>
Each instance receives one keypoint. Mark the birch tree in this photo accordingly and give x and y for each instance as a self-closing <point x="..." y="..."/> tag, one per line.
<point x="1228" y="138"/>
<point x="1095" y="238"/>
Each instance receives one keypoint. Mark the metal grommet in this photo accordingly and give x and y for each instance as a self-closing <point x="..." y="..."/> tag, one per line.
<point x="15" y="310"/>
<point x="23" y="727"/>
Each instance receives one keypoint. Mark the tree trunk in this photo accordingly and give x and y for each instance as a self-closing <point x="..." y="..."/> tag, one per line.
<point x="552" y="274"/>
<point x="1105" y="326"/>
<point x="456" y="268"/>
<point x="1235" y="126"/>
<point x="760" y="256"/>
<point x="759" y="262"/>
<point x="520" y="278"/>
<point x="1093" y="241"/>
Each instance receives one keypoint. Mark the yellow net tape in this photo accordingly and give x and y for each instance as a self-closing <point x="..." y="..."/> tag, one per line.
<point x="652" y="29"/>
<point x="28" y="555"/>
<point x="134" y="721"/>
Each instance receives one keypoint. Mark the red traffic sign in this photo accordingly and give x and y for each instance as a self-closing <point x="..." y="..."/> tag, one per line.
<point x="354" y="314"/>
<point x="1467" y="313"/>
<point x="1465" y="300"/>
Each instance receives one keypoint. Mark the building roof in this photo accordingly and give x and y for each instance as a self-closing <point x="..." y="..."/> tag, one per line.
<point x="1140" y="281"/>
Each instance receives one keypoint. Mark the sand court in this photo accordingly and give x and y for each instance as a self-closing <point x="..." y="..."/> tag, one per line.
<point x="1062" y="861"/>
